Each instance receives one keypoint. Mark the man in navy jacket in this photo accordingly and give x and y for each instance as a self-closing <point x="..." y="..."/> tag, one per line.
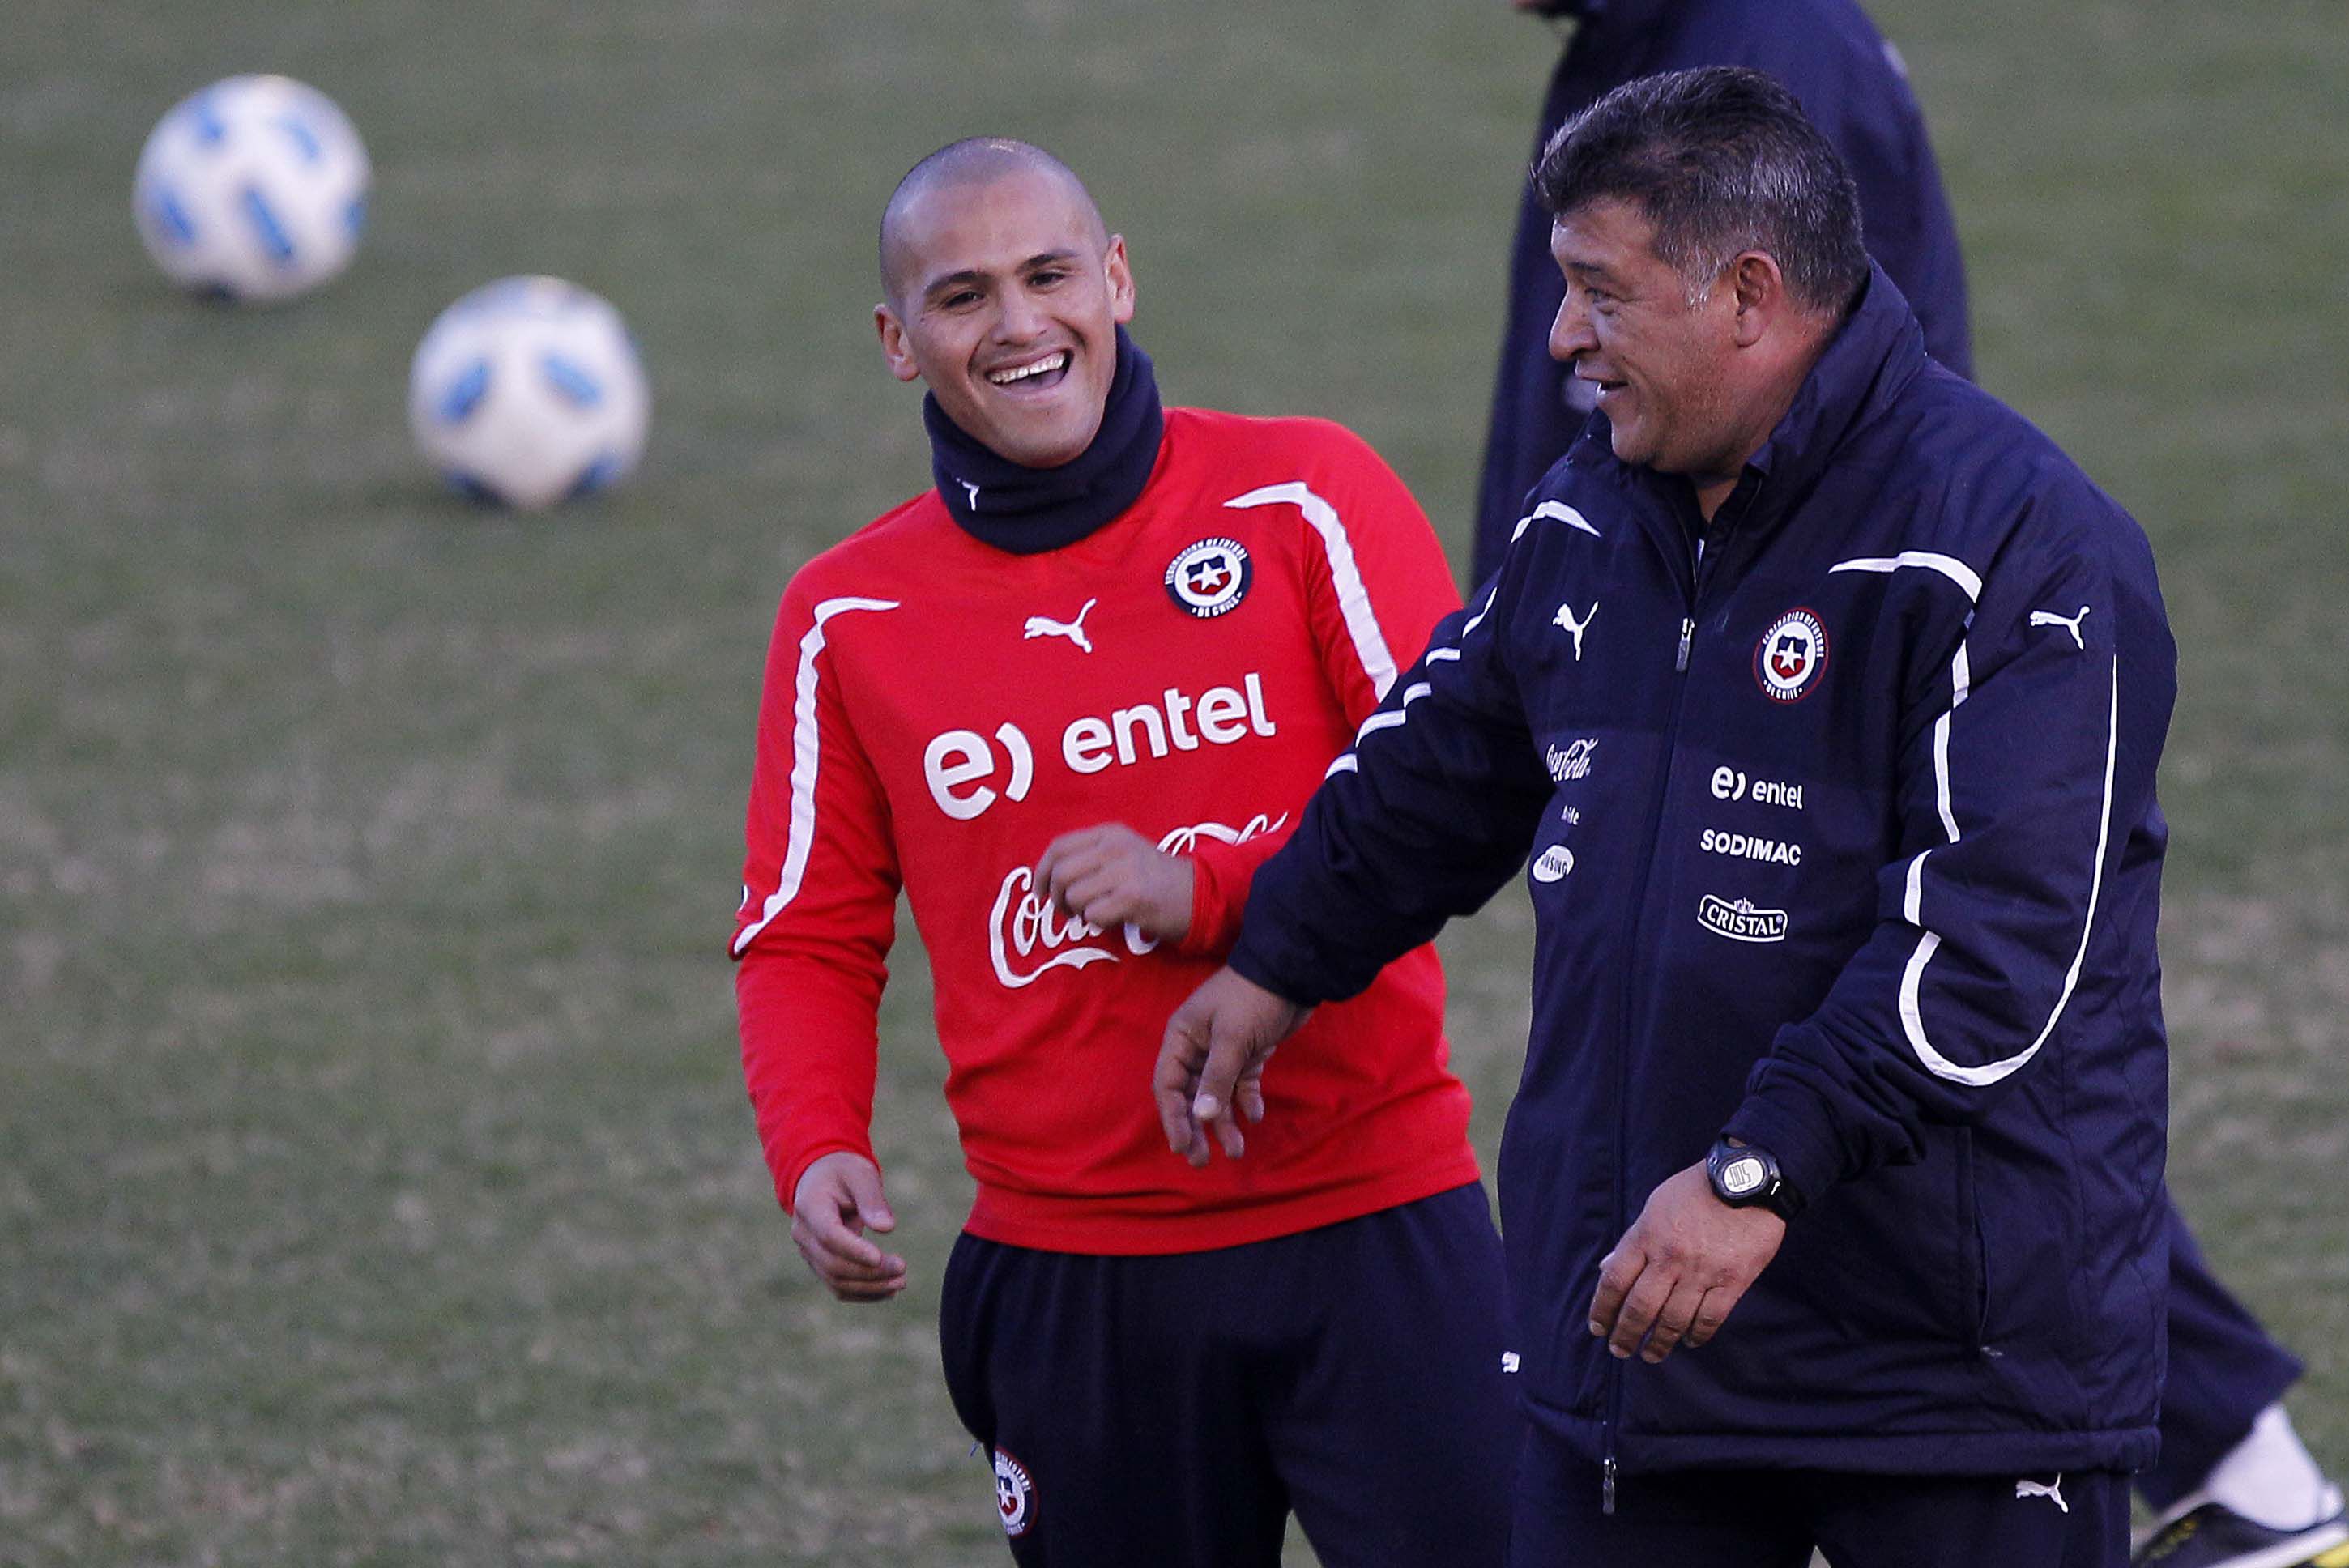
<point x="1827" y="694"/>
<point x="2230" y="1459"/>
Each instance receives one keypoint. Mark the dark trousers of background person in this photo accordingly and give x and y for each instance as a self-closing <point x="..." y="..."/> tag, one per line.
<point x="2223" y="1371"/>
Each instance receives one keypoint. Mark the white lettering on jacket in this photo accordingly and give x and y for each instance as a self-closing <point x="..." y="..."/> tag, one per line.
<point x="960" y="767"/>
<point x="1573" y="761"/>
<point x="1746" y="847"/>
<point x="1741" y="922"/>
<point x="1729" y="784"/>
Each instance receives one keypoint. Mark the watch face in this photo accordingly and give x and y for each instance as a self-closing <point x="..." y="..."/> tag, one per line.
<point x="1742" y="1175"/>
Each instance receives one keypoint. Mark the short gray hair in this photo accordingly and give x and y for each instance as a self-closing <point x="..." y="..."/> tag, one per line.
<point x="1719" y="161"/>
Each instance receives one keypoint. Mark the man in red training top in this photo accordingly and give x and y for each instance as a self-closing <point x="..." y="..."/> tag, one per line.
<point x="1068" y="699"/>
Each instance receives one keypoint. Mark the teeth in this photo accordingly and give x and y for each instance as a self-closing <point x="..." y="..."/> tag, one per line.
<point x="1049" y="362"/>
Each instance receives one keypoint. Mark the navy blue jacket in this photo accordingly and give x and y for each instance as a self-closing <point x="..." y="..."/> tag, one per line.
<point x="1844" y="841"/>
<point x="1850" y="83"/>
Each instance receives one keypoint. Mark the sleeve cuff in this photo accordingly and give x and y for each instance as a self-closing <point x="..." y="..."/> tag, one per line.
<point x="1797" y="1130"/>
<point x="788" y="1176"/>
<point x="1211" y="930"/>
<point x="1250" y="965"/>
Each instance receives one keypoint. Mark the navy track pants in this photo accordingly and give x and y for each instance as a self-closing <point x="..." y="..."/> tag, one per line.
<point x="1174" y="1410"/>
<point x="1773" y="1518"/>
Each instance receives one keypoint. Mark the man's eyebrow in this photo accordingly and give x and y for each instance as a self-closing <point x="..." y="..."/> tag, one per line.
<point x="968" y="275"/>
<point x="1592" y="271"/>
<point x="972" y="276"/>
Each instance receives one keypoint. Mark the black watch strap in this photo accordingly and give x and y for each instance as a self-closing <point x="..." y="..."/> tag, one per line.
<point x="1744" y="1177"/>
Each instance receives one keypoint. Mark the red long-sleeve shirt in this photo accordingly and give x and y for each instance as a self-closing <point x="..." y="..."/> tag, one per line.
<point x="938" y="711"/>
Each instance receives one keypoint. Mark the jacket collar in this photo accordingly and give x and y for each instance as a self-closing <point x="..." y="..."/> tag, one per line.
<point x="1877" y="352"/>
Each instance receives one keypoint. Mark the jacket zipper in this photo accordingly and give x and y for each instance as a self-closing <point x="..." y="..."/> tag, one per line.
<point x="1695" y="599"/>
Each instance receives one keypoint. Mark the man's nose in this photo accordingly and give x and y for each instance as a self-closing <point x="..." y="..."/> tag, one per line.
<point x="1569" y="334"/>
<point x="1020" y="318"/>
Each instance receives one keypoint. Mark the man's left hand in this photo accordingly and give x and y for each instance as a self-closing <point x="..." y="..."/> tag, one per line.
<point x="1685" y="1262"/>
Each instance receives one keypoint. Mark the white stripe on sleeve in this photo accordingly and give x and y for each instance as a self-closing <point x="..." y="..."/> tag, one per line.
<point x="1912" y="1021"/>
<point x="1949" y="566"/>
<point x="1556" y="509"/>
<point x="1389" y="718"/>
<point x="806" y="755"/>
<point x="1353" y="599"/>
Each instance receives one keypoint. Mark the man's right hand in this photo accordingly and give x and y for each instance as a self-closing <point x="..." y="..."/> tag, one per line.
<point x="1211" y="1062"/>
<point x="837" y="1201"/>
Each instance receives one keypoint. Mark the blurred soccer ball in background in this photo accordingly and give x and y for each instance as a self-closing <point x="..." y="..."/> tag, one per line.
<point x="254" y="189"/>
<point x="528" y="391"/>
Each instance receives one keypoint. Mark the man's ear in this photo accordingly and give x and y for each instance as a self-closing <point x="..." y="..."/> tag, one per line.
<point x="893" y="346"/>
<point x="1121" y="281"/>
<point x="1761" y="293"/>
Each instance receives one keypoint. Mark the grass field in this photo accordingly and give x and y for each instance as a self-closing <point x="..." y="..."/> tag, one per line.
<point x="375" y="1186"/>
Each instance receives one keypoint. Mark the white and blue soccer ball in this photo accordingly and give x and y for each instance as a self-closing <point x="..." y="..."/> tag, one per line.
<point x="254" y="189"/>
<point x="528" y="391"/>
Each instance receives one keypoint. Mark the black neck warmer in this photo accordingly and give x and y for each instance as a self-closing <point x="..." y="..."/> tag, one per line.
<point x="1027" y="510"/>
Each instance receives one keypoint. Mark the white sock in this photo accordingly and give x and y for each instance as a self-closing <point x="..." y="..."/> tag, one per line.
<point x="2271" y="1479"/>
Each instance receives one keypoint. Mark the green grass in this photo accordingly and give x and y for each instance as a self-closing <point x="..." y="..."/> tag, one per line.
<point x="375" y="1186"/>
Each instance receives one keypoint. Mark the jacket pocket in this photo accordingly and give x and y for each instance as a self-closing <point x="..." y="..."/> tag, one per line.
<point x="1973" y="1250"/>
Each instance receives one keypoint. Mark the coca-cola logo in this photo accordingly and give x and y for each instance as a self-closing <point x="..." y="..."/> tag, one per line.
<point x="1028" y="934"/>
<point x="1024" y="924"/>
<point x="1183" y="841"/>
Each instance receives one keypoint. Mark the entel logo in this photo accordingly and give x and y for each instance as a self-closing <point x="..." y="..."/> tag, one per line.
<point x="1022" y="923"/>
<point x="1730" y="784"/>
<point x="959" y="758"/>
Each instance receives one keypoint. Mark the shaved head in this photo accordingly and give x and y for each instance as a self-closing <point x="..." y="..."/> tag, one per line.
<point x="1005" y="293"/>
<point x="971" y="163"/>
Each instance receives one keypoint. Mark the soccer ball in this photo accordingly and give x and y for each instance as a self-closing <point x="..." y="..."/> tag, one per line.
<point x="254" y="189"/>
<point x="528" y="391"/>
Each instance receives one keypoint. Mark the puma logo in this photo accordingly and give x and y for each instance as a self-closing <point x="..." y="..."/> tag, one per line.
<point x="2053" y="1490"/>
<point x="1045" y="626"/>
<point x="1565" y="618"/>
<point x="2069" y="622"/>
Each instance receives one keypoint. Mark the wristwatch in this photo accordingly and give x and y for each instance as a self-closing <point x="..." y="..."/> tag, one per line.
<point x="1744" y="1177"/>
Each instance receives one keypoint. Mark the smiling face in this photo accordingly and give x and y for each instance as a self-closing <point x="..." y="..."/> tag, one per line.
<point x="1005" y="296"/>
<point x="1665" y="370"/>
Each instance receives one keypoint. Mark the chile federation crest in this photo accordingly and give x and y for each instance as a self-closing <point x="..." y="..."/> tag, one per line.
<point x="1015" y="1495"/>
<point x="1208" y="579"/>
<point x="1790" y="656"/>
